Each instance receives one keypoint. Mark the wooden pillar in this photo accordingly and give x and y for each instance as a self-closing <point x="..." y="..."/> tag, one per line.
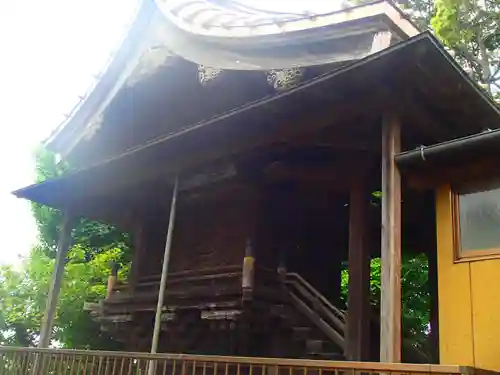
<point x="390" y="298"/>
<point x="112" y="279"/>
<point x="248" y="272"/>
<point x="358" y="301"/>
<point x="334" y="280"/>
<point x="139" y="247"/>
<point x="282" y="268"/>
<point x="55" y="285"/>
<point x="163" y="279"/>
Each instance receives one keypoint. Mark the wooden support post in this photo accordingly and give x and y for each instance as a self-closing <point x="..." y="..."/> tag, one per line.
<point x="358" y="301"/>
<point x="163" y="279"/>
<point x="390" y="299"/>
<point x="139" y="247"/>
<point x="334" y="281"/>
<point x="282" y="270"/>
<point x="112" y="279"/>
<point x="248" y="272"/>
<point x="55" y="285"/>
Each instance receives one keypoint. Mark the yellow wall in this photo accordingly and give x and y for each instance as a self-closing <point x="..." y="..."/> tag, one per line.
<point x="469" y="300"/>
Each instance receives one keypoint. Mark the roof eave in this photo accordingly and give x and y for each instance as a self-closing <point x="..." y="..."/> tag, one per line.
<point x="250" y="33"/>
<point x="85" y="115"/>
<point x="79" y="185"/>
<point x="66" y="135"/>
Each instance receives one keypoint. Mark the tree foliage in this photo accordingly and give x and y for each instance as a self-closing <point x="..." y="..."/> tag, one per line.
<point x="471" y="29"/>
<point x="23" y="295"/>
<point x="94" y="237"/>
<point x="23" y="290"/>
<point x="415" y="295"/>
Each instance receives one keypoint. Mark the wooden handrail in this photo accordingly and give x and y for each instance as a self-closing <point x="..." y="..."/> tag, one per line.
<point x="339" y="324"/>
<point x="372" y="367"/>
<point x="318" y="321"/>
<point x="315" y="293"/>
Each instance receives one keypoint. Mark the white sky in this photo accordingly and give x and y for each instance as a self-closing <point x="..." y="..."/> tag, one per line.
<point x="49" y="51"/>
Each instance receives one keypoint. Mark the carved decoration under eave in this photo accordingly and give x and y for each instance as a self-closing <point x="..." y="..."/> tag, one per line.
<point x="207" y="75"/>
<point x="93" y="127"/>
<point x="153" y="59"/>
<point x="280" y="79"/>
<point x="285" y="79"/>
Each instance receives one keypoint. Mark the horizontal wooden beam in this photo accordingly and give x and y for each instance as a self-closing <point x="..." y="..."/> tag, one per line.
<point x="338" y="174"/>
<point x="429" y="177"/>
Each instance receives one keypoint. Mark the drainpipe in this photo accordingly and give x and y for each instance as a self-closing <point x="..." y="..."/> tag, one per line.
<point x="487" y="140"/>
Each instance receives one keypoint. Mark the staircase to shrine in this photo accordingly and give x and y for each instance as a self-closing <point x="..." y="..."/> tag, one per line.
<point x="317" y="325"/>
<point x="331" y="322"/>
<point x="285" y="317"/>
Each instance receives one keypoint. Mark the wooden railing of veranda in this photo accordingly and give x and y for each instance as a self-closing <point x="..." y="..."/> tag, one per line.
<point x="31" y="361"/>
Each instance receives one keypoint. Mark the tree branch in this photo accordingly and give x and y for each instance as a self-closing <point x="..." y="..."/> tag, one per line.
<point x="466" y="54"/>
<point x="493" y="76"/>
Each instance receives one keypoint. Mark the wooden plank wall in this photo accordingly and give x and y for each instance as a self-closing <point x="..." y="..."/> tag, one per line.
<point x="212" y="233"/>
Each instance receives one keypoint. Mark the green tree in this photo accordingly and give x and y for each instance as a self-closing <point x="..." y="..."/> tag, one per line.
<point x="415" y="295"/>
<point x="23" y="295"/>
<point x="420" y="11"/>
<point x="23" y="290"/>
<point x="93" y="236"/>
<point x="471" y="29"/>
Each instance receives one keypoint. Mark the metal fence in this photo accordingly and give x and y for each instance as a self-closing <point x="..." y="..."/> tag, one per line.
<point x="21" y="361"/>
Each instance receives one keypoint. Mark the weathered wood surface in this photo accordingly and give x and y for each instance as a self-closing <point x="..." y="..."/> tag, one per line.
<point x="212" y="234"/>
<point x="358" y="302"/>
<point x="390" y="314"/>
<point x="164" y="272"/>
<point x="56" y="281"/>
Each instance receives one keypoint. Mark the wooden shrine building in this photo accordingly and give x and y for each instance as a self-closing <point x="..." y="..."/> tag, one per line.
<point x="262" y="136"/>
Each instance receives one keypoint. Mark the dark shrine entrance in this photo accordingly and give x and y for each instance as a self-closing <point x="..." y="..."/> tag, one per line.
<point x="313" y="227"/>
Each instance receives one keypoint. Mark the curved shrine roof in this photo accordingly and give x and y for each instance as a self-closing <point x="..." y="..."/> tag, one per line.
<point x="226" y="35"/>
<point x="231" y="35"/>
